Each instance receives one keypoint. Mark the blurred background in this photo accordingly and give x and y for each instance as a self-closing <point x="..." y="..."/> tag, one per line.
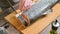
<point x="6" y="9"/>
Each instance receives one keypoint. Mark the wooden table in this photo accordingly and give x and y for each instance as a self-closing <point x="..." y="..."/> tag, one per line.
<point x="38" y="25"/>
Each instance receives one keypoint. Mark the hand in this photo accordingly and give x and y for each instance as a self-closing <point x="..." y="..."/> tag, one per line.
<point x="25" y="5"/>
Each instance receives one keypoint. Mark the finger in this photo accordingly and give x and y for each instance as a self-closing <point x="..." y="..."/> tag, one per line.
<point x="21" y="4"/>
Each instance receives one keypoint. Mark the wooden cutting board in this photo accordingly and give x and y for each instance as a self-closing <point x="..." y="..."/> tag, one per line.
<point x="38" y="25"/>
